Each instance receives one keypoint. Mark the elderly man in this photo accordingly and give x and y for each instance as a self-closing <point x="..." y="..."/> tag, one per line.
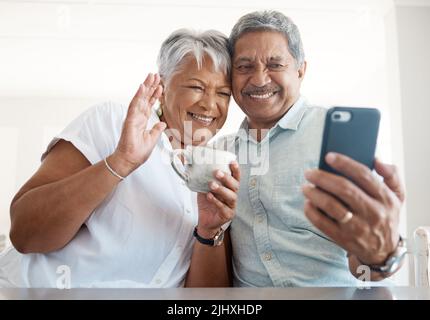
<point x="280" y="237"/>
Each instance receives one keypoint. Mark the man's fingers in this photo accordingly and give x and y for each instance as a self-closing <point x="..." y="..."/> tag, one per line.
<point x="357" y="172"/>
<point x="346" y="191"/>
<point x="391" y="178"/>
<point x="323" y="223"/>
<point x="328" y="205"/>
<point x="343" y="235"/>
<point x="325" y="202"/>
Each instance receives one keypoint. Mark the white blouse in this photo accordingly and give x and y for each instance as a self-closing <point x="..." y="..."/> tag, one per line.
<point x="140" y="235"/>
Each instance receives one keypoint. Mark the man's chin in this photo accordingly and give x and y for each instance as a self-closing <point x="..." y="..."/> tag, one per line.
<point x="264" y="118"/>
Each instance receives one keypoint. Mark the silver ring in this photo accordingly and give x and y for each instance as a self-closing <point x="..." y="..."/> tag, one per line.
<point x="348" y="216"/>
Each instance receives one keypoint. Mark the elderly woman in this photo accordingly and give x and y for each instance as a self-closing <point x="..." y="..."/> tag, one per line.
<point x="105" y="204"/>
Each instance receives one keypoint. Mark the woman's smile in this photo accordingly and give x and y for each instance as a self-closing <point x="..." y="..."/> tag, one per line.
<point x="201" y="119"/>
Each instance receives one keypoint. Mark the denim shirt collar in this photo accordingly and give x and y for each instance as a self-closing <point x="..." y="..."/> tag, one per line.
<point x="294" y="115"/>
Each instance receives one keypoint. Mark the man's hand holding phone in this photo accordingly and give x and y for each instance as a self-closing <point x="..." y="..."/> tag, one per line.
<point x="356" y="209"/>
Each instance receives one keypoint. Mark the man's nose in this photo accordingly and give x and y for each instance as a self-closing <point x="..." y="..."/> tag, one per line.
<point x="260" y="78"/>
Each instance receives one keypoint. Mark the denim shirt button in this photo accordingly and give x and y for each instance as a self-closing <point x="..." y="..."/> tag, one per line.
<point x="268" y="256"/>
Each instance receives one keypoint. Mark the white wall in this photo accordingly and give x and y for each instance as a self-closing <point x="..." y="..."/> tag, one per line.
<point x="408" y="31"/>
<point x="413" y="24"/>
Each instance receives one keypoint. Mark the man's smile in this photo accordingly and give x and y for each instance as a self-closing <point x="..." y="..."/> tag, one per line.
<point x="261" y="96"/>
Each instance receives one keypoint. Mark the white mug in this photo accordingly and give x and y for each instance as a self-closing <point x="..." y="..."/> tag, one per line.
<point x="199" y="165"/>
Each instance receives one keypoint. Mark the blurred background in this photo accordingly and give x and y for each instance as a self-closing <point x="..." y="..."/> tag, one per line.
<point x="57" y="58"/>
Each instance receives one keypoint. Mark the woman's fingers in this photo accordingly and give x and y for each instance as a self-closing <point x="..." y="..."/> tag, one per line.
<point x="228" y="180"/>
<point x="226" y="212"/>
<point x="133" y="106"/>
<point x="223" y="194"/>
<point x="147" y="94"/>
<point x="155" y="132"/>
<point x="235" y="170"/>
<point x="156" y="95"/>
<point x="151" y="92"/>
<point x="149" y="81"/>
<point x="154" y="90"/>
<point x="226" y="186"/>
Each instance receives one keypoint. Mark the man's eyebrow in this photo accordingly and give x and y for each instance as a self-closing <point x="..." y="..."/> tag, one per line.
<point x="243" y="59"/>
<point x="276" y="58"/>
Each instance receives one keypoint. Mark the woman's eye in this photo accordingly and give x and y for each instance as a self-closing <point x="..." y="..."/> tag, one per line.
<point x="196" y="88"/>
<point x="227" y="94"/>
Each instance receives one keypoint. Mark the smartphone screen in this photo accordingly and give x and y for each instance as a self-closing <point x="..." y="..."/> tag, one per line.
<point x="350" y="131"/>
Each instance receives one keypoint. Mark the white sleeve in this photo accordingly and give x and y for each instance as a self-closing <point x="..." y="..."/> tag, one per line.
<point x="95" y="133"/>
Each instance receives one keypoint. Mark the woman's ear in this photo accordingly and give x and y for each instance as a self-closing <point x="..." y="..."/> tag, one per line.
<point x="162" y="97"/>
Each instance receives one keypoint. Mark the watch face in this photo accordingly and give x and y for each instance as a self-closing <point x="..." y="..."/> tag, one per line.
<point x="219" y="237"/>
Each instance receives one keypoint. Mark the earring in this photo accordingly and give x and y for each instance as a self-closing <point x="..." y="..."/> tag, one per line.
<point x="159" y="111"/>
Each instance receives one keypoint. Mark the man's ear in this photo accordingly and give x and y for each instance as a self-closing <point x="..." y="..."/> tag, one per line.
<point x="302" y="70"/>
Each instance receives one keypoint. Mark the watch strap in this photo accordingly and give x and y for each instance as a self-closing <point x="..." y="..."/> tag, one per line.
<point x="208" y="242"/>
<point x="217" y="240"/>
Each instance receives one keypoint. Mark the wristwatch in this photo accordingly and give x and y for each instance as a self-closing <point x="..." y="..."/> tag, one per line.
<point x="214" y="242"/>
<point x="394" y="260"/>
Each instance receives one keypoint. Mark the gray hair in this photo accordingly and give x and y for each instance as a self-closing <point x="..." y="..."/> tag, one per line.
<point x="185" y="42"/>
<point x="270" y="21"/>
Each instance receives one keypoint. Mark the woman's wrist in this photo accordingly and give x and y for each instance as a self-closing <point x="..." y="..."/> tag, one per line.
<point x="207" y="233"/>
<point x="120" y="165"/>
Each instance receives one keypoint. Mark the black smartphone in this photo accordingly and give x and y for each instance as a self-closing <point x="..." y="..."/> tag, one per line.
<point x="352" y="132"/>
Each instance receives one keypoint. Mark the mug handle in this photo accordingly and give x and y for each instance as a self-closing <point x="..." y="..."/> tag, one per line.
<point x="173" y="162"/>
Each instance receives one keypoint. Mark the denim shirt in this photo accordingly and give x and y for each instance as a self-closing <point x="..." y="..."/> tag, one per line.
<point x="273" y="242"/>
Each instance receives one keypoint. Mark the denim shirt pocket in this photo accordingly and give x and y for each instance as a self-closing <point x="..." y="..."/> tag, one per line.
<point x="288" y="200"/>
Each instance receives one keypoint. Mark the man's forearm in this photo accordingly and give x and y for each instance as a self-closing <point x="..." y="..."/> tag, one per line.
<point x="356" y="271"/>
